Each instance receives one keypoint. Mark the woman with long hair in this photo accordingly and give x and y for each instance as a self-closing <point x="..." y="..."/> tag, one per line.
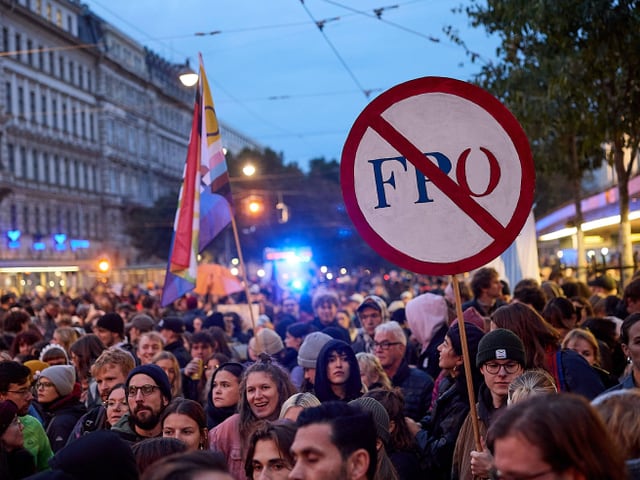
<point x="542" y="349"/>
<point x="268" y="454"/>
<point x="264" y="388"/>
<point x="337" y="373"/>
<point x="401" y="447"/>
<point x="185" y="420"/>
<point x="169" y="363"/>
<point x="224" y="396"/>
<point x="84" y="353"/>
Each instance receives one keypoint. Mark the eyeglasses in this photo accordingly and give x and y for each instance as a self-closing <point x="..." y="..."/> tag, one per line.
<point x="494" y="368"/>
<point x="23" y="392"/>
<point x="114" y="404"/>
<point x="40" y="385"/>
<point x="385" y="345"/>
<point x="145" y="389"/>
<point x="500" y="476"/>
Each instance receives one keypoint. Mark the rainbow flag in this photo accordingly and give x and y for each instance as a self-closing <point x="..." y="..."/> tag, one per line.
<point x="204" y="204"/>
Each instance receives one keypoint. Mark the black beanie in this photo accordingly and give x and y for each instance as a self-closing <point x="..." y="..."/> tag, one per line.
<point x="112" y="322"/>
<point x="500" y="344"/>
<point x="158" y="375"/>
<point x="474" y="334"/>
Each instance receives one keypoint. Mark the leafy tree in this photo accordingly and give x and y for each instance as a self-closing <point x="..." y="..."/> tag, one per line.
<point x="151" y="228"/>
<point x="566" y="71"/>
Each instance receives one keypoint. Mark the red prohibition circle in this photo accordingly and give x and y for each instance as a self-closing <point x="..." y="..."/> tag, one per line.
<point x="371" y="117"/>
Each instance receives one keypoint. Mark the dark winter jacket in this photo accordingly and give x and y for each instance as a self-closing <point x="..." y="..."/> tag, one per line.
<point x="416" y="387"/>
<point x="61" y="416"/>
<point x="94" y="419"/>
<point x="178" y="350"/>
<point x="573" y="374"/>
<point x="437" y="439"/>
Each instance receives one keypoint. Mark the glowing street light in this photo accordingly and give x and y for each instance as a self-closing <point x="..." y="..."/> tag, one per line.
<point x="249" y="169"/>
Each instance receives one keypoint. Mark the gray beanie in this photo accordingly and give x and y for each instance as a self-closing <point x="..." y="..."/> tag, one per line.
<point x="62" y="376"/>
<point x="310" y="349"/>
<point x="268" y="341"/>
<point x="379" y="414"/>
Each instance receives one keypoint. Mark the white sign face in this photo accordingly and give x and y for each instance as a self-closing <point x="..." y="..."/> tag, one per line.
<point x="437" y="176"/>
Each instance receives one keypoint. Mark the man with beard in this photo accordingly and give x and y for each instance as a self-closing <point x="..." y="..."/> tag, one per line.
<point x="15" y="385"/>
<point x="336" y="441"/>
<point x="148" y="393"/>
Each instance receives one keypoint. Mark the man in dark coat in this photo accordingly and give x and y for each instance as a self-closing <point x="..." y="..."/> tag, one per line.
<point x="390" y="346"/>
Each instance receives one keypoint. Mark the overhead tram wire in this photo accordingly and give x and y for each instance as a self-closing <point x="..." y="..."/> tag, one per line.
<point x="320" y="26"/>
<point x="377" y="15"/>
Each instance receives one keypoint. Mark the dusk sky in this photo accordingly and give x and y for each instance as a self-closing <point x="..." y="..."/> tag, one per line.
<point x="276" y="77"/>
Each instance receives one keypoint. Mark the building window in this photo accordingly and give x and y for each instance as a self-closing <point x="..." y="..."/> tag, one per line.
<point x="47" y="221"/>
<point x="54" y="113"/>
<point x="39" y="6"/>
<point x="67" y="164"/>
<point x="8" y="97"/>
<point x="5" y="39"/>
<point x="21" y="102"/>
<point x="32" y="106"/>
<point x="76" y="174"/>
<point x="36" y="214"/>
<point x="83" y="124"/>
<point x="18" y="46"/>
<point x="80" y="76"/>
<point x="12" y="158"/>
<point x="54" y="171"/>
<point x="40" y="57"/>
<point x="89" y="80"/>
<point x="45" y="162"/>
<point x="59" y="18"/>
<point x="91" y="126"/>
<point x="45" y="119"/>
<point x="49" y="11"/>
<point x="71" y="72"/>
<point x="30" y="52"/>
<point x="61" y="67"/>
<point x="74" y="121"/>
<point x="25" y="220"/>
<point x="14" y="216"/>
<point x="65" y="120"/>
<point x="23" y="162"/>
<point x="70" y="24"/>
<point x="52" y="63"/>
<point x="36" y="166"/>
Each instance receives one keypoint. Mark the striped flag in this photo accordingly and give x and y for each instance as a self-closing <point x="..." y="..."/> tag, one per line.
<point x="204" y="204"/>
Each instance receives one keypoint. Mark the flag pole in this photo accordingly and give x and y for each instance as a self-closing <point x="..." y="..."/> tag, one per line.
<point x="243" y="270"/>
<point x="467" y="364"/>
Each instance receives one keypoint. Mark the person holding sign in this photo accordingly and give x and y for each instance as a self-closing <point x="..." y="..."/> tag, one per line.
<point x="436" y="434"/>
<point x="501" y="359"/>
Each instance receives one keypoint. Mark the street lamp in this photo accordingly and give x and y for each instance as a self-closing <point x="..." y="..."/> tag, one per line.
<point x="187" y="76"/>
<point x="249" y="169"/>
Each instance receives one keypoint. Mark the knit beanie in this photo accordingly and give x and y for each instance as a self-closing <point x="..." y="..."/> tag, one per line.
<point x="8" y="411"/>
<point x="156" y="373"/>
<point x="62" y="376"/>
<point x="299" y="329"/>
<point x="474" y="334"/>
<point x="112" y="322"/>
<point x="310" y="348"/>
<point x="500" y="344"/>
<point x="268" y="341"/>
<point x="379" y="414"/>
<point x="36" y="366"/>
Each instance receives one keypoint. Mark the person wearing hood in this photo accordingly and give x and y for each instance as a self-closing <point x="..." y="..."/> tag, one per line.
<point x="371" y="313"/>
<point x="59" y="403"/>
<point x="437" y="432"/>
<point x="337" y="373"/>
<point x="427" y="316"/>
<point x="15" y="461"/>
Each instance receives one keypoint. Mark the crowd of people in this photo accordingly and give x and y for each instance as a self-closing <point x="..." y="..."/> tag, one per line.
<point x="361" y="381"/>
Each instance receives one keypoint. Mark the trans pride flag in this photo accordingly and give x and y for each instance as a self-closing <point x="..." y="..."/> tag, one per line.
<point x="204" y="204"/>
